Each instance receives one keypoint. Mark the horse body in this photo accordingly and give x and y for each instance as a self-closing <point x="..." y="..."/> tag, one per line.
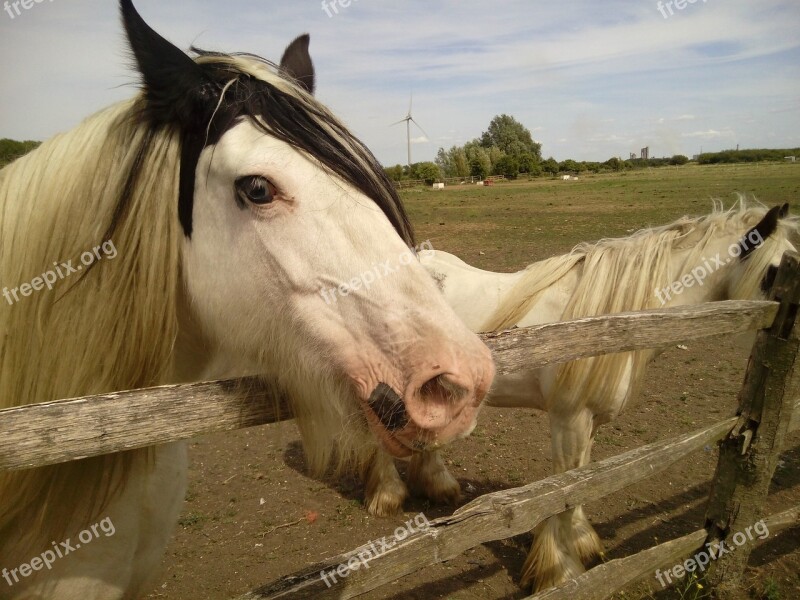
<point x="738" y="249"/>
<point x="233" y="197"/>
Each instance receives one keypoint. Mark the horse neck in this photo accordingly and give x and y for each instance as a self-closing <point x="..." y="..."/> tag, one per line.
<point x="537" y="294"/>
<point x="472" y="293"/>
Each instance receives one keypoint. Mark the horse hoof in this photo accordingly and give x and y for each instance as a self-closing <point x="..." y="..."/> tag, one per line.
<point x="429" y="477"/>
<point x="387" y="501"/>
<point x="442" y="488"/>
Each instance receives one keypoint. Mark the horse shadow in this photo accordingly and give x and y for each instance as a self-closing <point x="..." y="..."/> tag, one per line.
<point x="510" y="554"/>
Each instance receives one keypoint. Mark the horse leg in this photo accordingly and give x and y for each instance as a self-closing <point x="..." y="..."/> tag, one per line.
<point x="428" y="475"/>
<point x="385" y="491"/>
<point x="554" y="555"/>
<point x="587" y="542"/>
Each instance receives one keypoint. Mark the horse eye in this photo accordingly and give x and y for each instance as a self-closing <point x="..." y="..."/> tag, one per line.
<point x="255" y="189"/>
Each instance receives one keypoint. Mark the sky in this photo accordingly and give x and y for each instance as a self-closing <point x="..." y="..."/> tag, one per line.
<point x="590" y="80"/>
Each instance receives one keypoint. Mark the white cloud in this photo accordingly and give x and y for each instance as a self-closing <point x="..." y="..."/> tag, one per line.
<point x="567" y="72"/>
<point x="709" y="134"/>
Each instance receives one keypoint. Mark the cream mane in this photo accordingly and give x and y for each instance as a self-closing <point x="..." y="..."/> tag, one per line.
<point x="95" y="331"/>
<point x="621" y="274"/>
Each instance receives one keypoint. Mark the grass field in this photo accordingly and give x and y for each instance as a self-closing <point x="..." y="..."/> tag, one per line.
<point x="507" y="226"/>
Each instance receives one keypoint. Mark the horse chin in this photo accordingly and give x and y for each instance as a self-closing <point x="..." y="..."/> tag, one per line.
<point x="387" y="439"/>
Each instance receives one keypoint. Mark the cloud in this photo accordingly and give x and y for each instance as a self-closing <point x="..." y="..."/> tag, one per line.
<point x="709" y="134"/>
<point x="567" y="74"/>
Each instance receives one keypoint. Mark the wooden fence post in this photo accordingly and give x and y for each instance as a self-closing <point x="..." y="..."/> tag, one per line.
<point x="748" y="456"/>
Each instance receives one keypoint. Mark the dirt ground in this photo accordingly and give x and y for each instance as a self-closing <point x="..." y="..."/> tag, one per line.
<point x="247" y="487"/>
<point x="252" y="515"/>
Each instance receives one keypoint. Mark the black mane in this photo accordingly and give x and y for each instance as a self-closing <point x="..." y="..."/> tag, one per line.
<point x="230" y="96"/>
<point x="286" y="117"/>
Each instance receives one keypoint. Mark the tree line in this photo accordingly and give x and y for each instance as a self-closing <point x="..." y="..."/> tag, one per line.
<point x="507" y="148"/>
<point x="10" y="150"/>
<point x="753" y="155"/>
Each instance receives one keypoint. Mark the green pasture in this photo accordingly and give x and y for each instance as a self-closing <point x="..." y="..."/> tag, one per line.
<point x="508" y="225"/>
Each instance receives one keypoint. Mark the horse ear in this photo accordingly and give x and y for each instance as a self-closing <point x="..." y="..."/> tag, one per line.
<point x="762" y="230"/>
<point x="174" y="84"/>
<point x="296" y="63"/>
<point x="784" y="210"/>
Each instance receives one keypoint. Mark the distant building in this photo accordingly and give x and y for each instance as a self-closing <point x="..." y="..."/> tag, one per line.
<point x="645" y="152"/>
<point x="632" y="156"/>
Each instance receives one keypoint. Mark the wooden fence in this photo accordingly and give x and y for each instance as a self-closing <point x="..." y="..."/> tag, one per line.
<point x="65" y="430"/>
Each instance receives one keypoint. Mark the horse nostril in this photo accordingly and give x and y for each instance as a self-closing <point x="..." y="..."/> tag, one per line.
<point x="388" y="406"/>
<point x="441" y="390"/>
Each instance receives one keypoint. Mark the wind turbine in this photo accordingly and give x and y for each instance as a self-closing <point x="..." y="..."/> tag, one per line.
<point x="408" y="120"/>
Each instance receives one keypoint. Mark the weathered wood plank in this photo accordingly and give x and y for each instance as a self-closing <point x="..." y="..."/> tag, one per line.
<point x="541" y="345"/>
<point x="494" y="516"/>
<point x="794" y="419"/>
<point x="749" y="454"/>
<point x="783" y="520"/>
<point x="602" y="581"/>
<point x="65" y="430"/>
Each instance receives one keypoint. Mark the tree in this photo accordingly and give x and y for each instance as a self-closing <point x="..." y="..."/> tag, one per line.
<point x="511" y="137"/>
<point x="460" y="163"/>
<point x="394" y="173"/>
<point x="536" y="171"/>
<point x="568" y="165"/>
<point x="453" y="162"/>
<point x="614" y="164"/>
<point x="528" y="163"/>
<point x="480" y="165"/>
<point x="11" y="150"/>
<point x="427" y="171"/>
<point x="679" y="159"/>
<point x="443" y="162"/>
<point x="477" y="168"/>
<point x="508" y="166"/>
<point x="495" y="154"/>
<point x="550" y="166"/>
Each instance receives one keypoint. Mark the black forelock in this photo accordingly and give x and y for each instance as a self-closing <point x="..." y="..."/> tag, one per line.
<point x="291" y="120"/>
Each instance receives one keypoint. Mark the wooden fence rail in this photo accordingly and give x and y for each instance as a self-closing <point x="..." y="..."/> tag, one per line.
<point x="64" y="430"/>
<point x="602" y="581"/>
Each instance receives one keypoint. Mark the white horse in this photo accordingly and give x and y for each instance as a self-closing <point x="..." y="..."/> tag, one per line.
<point x="729" y="254"/>
<point x="232" y="198"/>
